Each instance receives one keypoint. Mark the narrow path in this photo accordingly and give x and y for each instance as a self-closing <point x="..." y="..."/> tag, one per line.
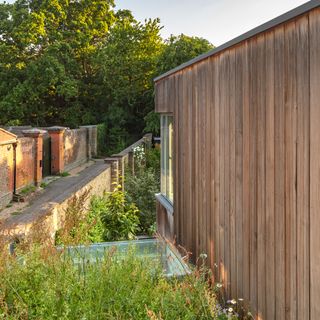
<point x="56" y="192"/>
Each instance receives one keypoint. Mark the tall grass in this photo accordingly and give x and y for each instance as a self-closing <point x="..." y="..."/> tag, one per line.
<point x="46" y="285"/>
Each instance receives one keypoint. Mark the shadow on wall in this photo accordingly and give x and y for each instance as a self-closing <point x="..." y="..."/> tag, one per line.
<point x="25" y="157"/>
<point x="76" y="147"/>
<point x="6" y="174"/>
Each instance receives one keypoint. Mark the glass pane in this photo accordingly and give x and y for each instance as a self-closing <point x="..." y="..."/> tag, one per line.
<point x="166" y="156"/>
<point x="170" y="160"/>
<point x="163" y="154"/>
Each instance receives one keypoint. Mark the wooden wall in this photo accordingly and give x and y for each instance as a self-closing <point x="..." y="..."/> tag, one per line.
<point x="247" y="166"/>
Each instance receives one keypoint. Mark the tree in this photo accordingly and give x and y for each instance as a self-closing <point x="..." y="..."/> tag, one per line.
<point x="126" y="67"/>
<point x="177" y="50"/>
<point x="180" y="49"/>
<point x="46" y="49"/>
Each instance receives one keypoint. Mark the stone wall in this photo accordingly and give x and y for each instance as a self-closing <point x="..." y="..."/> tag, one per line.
<point x="75" y="148"/>
<point x="51" y="213"/>
<point x="49" y="216"/>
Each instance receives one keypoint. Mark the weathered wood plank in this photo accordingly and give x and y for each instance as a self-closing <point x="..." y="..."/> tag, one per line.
<point x="261" y="178"/>
<point x="279" y="173"/>
<point x="215" y="156"/>
<point x="291" y="165"/>
<point x="223" y="145"/>
<point x="239" y="106"/>
<point x="246" y="174"/>
<point x="303" y="170"/>
<point x="253" y="171"/>
<point x="314" y="163"/>
<point x="270" y="178"/>
<point x="232" y="157"/>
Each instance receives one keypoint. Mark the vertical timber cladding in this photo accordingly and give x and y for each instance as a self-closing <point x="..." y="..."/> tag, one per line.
<point x="247" y="166"/>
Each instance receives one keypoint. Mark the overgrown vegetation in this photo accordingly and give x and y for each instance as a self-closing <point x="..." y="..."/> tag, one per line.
<point x="118" y="218"/>
<point x="48" y="286"/>
<point x="142" y="185"/>
<point x="28" y="190"/>
<point x="107" y="218"/>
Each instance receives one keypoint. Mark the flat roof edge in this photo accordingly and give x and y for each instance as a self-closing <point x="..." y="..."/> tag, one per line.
<point x="308" y="6"/>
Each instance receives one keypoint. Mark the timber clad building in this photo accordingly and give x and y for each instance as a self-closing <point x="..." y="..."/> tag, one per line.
<point x="241" y="163"/>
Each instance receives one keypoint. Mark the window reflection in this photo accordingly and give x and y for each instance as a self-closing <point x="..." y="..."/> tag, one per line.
<point x="166" y="156"/>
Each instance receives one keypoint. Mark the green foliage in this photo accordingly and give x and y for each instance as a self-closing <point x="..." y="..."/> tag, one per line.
<point x="141" y="190"/>
<point x="47" y="286"/>
<point x="142" y="187"/>
<point x="28" y="190"/>
<point x="102" y="139"/>
<point x="64" y="174"/>
<point x="78" y="62"/>
<point x="126" y="65"/>
<point x="119" y="218"/>
<point x="46" y="49"/>
<point x="153" y="161"/>
<point x="152" y="121"/>
<point x="43" y="185"/>
<point x="180" y="49"/>
<point x="79" y="226"/>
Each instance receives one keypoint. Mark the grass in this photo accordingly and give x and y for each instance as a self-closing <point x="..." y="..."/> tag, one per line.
<point x="28" y="190"/>
<point x="43" y="185"/>
<point x="15" y="213"/>
<point x="47" y="286"/>
<point x="64" y="174"/>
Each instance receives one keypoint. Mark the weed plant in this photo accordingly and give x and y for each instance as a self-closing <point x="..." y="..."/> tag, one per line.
<point x="47" y="286"/>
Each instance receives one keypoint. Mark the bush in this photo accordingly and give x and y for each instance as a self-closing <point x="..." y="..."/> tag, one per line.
<point x="102" y="139"/>
<point x="141" y="190"/>
<point x="142" y="186"/>
<point x="79" y="225"/>
<point x="49" y="287"/>
<point x="119" y="218"/>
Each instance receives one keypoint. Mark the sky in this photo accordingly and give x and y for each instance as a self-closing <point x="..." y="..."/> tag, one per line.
<point x="215" y="20"/>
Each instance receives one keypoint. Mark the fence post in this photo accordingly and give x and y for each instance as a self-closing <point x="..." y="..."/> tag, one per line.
<point x="91" y="140"/>
<point x="114" y="164"/>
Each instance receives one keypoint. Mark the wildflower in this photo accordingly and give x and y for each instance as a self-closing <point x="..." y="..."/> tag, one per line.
<point x="219" y="285"/>
<point x="230" y="310"/>
<point x="203" y="256"/>
<point x="240" y="299"/>
<point x="233" y="301"/>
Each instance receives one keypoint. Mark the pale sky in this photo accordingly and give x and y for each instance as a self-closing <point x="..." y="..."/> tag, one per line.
<point x="216" y="20"/>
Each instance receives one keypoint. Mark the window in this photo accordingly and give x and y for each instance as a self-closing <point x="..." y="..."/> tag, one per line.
<point x="166" y="157"/>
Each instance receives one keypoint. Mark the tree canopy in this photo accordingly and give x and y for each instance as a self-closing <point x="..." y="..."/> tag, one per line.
<point x="74" y="62"/>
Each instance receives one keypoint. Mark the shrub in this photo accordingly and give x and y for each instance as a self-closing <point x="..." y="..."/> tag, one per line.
<point x="153" y="161"/>
<point x="141" y="190"/>
<point x="143" y="185"/>
<point x="119" y="218"/>
<point x="80" y="226"/>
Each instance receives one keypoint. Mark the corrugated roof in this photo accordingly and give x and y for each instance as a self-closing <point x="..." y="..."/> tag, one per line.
<point x="268" y="25"/>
